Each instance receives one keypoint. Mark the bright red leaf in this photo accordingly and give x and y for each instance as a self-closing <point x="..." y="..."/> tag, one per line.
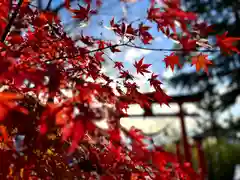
<point x="226" y="44"/>
<point x="172" y="60"/>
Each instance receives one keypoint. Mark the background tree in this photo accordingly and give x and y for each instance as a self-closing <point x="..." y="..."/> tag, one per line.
<point x="223" y="16"/>
<point x="222" y="88"/>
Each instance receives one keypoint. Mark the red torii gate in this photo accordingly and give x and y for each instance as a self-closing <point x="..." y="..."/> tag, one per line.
<point x="181" y="114"/>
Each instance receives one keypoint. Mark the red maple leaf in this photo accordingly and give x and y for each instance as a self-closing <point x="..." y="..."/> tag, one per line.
<point x="118" y="65"/>
<point x="154" y="81"/>
<point x="82" y="13"/>
<point x="77" y="135"/>
<point x="226" y="44"/>
<point x="172" y="60"/>
<point x="161" y="97"/>
<point x="141" y="68"/>
<point x="126" y="75"/>
<point x="187" y="43"/>
<point x="98" y="56"/>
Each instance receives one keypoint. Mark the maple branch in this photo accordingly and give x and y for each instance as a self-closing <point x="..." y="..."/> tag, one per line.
<point x="175" y="50"/>
<point x="86" y="52"/>
<point x="49" y="4"/>
<point x="132" y="46"/>
<point x="11" y="21"/>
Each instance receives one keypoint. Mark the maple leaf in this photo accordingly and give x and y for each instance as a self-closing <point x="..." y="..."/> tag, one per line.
<point x="143" y="101"/>
<point x="161" y="97"/>
<point x="126" y="75"/>
<point x="201" y="61"/>
<point x="122" y="106"/>
<point x="98" y="56"/>
<point x="87" y="40"/>
<point x="77" y="135"/>
<point x="49" y="17"/>
<point x="172" y="60"/>
<point x="81" y="14"/>
<point x="141" y="68"/>
<point x="187" y="43"/>
<point x="154" y="14"/>
<point x="115" y="135"/>
<point x="130" y="32"/>
<point x="145" y="36"/>
<point x="227" y="43"/>
<point x="101" y="44"/>
<point x="118" y="65"/>
<point x="131" y="87"/>
<point x="154" y="81"/>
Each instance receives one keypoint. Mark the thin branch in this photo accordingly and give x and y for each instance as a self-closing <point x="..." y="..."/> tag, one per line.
<point x="128" y="45"/>
<point x="86" y="52"/>
<point x="49" y="4"/>
<point x="11" y="21"/>
<point x="176" y="50"/>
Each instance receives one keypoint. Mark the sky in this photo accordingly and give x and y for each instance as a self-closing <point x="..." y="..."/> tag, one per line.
<point x="112" y="8"/>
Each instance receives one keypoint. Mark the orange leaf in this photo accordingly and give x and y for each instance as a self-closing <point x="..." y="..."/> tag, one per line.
<point x="201" y="62"/>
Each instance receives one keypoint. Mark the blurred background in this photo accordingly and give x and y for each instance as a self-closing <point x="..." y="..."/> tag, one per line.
<point x="214" y="117"/>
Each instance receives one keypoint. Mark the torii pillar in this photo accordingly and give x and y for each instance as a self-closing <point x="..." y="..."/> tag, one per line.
<point x="201" y="157"/>
<point x="187" y="152"/>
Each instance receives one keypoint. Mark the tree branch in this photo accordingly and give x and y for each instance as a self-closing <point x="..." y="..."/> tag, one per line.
<point x="86" y="52"/>
<point x="11" y="21"/>
<point x="49" y="4"/>
<point x="132" y="46"/>
<point x="174" y="50"/>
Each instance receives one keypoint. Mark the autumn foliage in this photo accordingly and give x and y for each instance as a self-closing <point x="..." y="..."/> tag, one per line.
<point x="48" y="135"/>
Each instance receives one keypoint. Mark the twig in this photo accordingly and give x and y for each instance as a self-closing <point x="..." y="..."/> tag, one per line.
<point x="132" y="46"/>
<point x="49" y="4"/>
<point x="86" y="52"/>
<point x="176" y="50"/>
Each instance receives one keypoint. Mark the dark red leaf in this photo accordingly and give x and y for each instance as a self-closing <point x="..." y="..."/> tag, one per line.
<point x="142" y="68"/>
